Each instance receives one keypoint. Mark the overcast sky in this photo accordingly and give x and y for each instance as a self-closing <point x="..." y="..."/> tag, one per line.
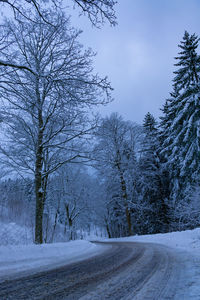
<point x="138" y="54"/>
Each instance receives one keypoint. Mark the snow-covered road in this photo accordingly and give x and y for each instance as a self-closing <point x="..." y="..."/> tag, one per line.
<point x="125" y="270"/>
<point x="21" y="260"/>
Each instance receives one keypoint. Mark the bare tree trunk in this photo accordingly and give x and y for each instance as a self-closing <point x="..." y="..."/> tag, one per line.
<point x="70" y="233"/>
<point x="128" y="218"/>
<point x="44" y="188"/>
<point x="107" y="228"/>
<point x="70" y="221"/>
<point x="55" y="222"/>
<point x="65" y="228"/>
<point x="39" y="192"/>
<point x="71" y="228"/>
<point x="47" y="227"/>
<point x="125" y="197"/>
<point x="39" y="201"/>
<point x="39" y="210"/>
<point x="108" y="231"/>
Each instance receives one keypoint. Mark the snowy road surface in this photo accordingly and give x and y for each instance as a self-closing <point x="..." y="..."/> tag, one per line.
<point x="126" y="270"/>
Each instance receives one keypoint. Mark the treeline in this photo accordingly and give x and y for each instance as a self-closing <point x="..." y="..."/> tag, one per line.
<point x="73" y="207"/>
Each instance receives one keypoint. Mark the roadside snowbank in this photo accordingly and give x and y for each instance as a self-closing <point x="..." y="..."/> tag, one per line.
<point x="16" y="261"/>
<point x="188" y="240"/>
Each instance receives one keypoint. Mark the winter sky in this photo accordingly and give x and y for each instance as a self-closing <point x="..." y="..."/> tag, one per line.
<point x="138" y="54"/>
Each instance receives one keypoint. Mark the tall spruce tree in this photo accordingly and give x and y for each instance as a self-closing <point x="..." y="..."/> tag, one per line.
<point x="180" y="133"/>
<point x="182" y="128"/>
<point x="188" y="59"/>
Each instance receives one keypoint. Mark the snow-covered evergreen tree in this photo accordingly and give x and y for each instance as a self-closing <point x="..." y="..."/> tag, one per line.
<point x="167" y="136"/>
<point x="182" y="128"/>
<point x="180" y="132"/>
<point x="152" y="187"/>
<point x="187" y="75"/>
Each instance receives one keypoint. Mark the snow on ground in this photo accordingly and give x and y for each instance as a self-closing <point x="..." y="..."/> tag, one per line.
<point x="188" y="240"/>
<point x="16" y="261"/>
<point x="14" y="234"/>
<point x="19" y="260"/>
<point x="19" y="256"/>
<point x="187" y="245"/>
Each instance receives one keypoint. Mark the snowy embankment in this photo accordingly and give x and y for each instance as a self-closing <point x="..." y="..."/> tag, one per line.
<point x="188" y="240"/>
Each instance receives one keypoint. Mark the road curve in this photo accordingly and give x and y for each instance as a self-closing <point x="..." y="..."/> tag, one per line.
<point x="126" y="270"/>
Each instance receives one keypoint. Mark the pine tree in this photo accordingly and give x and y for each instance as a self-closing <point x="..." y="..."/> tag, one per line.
<point x="151" y="177"/>
<point x="180" y="128"/>
<point x="189" y="62"/>
<point x="166" y="136"/>
<point x="182" y="143"/>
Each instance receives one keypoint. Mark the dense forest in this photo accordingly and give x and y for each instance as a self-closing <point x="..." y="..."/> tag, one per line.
<point x="66" y="172"/>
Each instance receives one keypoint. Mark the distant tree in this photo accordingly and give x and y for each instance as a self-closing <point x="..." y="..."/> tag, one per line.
<point x="17" y="201"/>
<point x="151" y="178"/>
<point x="116" y="161"/>
<point x="74" y="204"/>
<point x="45" y="111"/>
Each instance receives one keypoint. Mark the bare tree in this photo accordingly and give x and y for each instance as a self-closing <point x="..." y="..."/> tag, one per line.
<point x="98" y="11"/>
<point x="72" y="201"/>
<point x="115" y="154"/>
<point x="25" y="8"/>
<point x="46" y="111"/>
